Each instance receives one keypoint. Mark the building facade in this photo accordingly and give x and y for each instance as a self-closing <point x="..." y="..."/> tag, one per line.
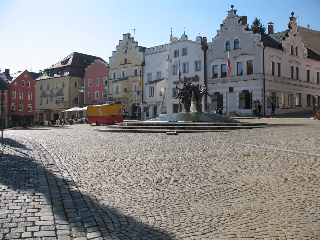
<point x="95" y="80"/>
<point x="57" y="89"/>
<point x="155" y="81"/>
<point x="4" y="102"/>
<point x="185" y="57"/>
<point x="22" y="99"/>
<point x="125" y="66"/>
<point x="263" y="67"/>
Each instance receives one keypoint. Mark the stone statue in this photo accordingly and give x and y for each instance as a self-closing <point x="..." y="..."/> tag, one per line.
<point x="191" y="93"/>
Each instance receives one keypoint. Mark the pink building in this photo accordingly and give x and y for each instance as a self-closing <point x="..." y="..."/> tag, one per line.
<point x="95" y="79"/>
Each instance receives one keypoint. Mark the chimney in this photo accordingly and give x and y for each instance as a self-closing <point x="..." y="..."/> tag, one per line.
<point x="7" y="72"/>
<point x="243" y="20"/>
<point x="270" y="28"/>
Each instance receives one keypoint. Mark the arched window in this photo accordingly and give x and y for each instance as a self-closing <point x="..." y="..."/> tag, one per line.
<point x="236" y="44"/>
<point x="228" y="47"/>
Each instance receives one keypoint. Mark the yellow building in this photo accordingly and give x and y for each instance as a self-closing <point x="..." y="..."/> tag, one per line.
<point x="125" y="66"/>
<point x="57" y="89"/>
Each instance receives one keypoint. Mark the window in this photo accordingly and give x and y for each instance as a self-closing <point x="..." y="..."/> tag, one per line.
<point x="151" y="91"/>
<point x="184" y="51"/>
<point x="174" y="92"/>
<point x="239" y="69"/>
<point x="13" y="107"/>
<point x="57" y="85"/>
<point x="149" y="77"/>
<point x="59" y="71"/>
<point x="49" y="73"/>
<point x="176" y="53"/>
<point x="29" y="96"/>
<point x="292" y="50"/>
<point x="279" y="69"/>
<point x="125" y="61"/>
<point x="97" y="82"/>
<point x="96" y="95"/>
<point x="308" y="75"/>
<point x="4" y="97"/>
<point x="123" y="73"/>
<point x="318" y="77"/>
<point x="3" y="108"/>
<point x="89" y="82"/>
<point x="215" y="71"/>
<point x="198" y="65"/>
<point x="249" y="67"/>
<point x="20" y="95"/>
<point x="14" y="95"/>
<point x="116" y="90"/>
<point x="228" y="46"/>
<point x="48" y="86"/>
<point x="47" y="101"/>
<point x="20" y="107"/>
<point x="114" y="75"/>
<point x="63" y="84"/>
<point x="236" y="44"/>
<point x="89" y="95"/>
<point x="272" y="68"/>
<point x="297" y="73"/>
<point x="223" y="70"/>
<point x="245" y="99"/>
<point x="28" y="83"/>
<point x="29" y="107"/>
<point x="297" y="51"/>
<point x="135" y="72"/>
<point x="298" y="99"/>
<point x="186" y="67"/>
<point x="22" y="83"/>
<point x="292" y="72"/>
<point x="41" y="87"/>
<point x="135" y="87"/>
<point x="158" y="75"/>
<point x="174" y="69"/>
<point x="40" y="102"/>
<point x="309" y="100"/>
<point x="75" y="84"/>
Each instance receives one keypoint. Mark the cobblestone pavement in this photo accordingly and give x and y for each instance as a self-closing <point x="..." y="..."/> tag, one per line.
<point x="74" y="182"/>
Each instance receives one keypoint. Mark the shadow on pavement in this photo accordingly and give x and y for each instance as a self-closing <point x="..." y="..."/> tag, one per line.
<point x="82" y="214"/>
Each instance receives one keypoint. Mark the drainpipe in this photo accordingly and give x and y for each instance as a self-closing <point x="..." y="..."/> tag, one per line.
<point x="264" y="82"/>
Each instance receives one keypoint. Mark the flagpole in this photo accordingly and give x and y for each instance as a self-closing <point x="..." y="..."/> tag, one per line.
<point x="229" y="72"/>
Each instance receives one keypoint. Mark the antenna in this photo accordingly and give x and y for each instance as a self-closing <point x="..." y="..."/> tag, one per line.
<point x="134" y="32"/>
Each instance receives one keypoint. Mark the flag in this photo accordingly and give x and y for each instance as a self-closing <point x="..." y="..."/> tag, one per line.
<point x="81" y="89"/>
<point x="140" y="79"/>
<point x="229" y="66"/>
<point x="179" y="72"/>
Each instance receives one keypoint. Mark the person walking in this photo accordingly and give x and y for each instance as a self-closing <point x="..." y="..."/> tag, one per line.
<point x="259" y="107"/>
<point x="273" y="109"/>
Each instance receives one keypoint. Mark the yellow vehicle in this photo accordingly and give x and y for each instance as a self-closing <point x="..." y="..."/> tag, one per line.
<point x="105" y="114"/>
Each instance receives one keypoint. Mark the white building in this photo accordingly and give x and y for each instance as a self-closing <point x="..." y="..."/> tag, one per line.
<point x="274" y="67"/>
<point x="187" y="56"/>
<point x="155" y="81"/>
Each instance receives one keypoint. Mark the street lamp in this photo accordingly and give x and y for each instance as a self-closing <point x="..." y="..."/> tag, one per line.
<point x="204" y="47"/>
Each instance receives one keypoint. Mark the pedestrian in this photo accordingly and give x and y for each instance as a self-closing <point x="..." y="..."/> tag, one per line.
<point x="273" y="109"/>
<point x="259" y="107"/>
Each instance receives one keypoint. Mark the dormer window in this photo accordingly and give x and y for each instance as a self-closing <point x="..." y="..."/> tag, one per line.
<point x="236" y="44"/>
<point x="228" y="47"/>
<point x="49" y="73"/>
<point x="292" y="50"/>
<point x="64" y="62"/>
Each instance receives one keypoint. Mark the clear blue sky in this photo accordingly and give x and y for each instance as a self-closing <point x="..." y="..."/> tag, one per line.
<point x="39" y="33"/>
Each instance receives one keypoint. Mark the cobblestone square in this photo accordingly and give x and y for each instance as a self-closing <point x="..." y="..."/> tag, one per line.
<point x="75" y="182"/>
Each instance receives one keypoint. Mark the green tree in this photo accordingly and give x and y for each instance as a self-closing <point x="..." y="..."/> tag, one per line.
<point x="257" y="26"/>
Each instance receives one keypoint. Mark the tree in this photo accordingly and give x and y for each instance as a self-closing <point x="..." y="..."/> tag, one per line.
<point x="257" y="26"/>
